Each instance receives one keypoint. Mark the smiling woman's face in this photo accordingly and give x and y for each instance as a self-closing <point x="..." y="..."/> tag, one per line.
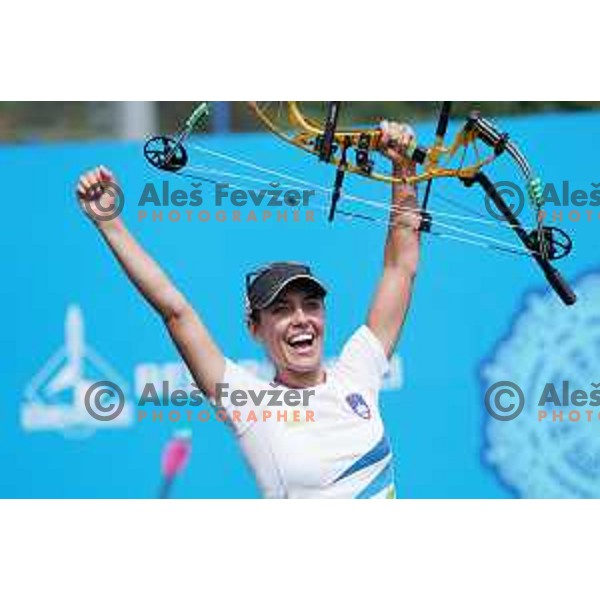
<point x="292" y="330"/>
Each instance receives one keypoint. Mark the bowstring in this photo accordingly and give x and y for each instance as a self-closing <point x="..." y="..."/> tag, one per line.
<point x="303" y="183"/>
<point x="391" y="211"/>
<point x="309" y="186"/>
<point x="480" y="239"/>
<point x="495" y="245"/>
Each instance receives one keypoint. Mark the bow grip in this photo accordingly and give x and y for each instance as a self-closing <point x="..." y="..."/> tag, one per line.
<point x="414" y="152"/>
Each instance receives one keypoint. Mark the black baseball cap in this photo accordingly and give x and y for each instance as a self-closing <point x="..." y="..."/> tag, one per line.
<point x="265" y="284"/>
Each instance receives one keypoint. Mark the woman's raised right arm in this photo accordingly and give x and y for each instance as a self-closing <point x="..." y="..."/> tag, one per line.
<point x="194" y="343"/>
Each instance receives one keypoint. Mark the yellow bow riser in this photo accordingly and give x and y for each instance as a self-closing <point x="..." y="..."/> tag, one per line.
<point x="302" y="131"/>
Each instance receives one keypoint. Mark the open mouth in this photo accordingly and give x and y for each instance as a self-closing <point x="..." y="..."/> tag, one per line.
<point x="302" y="342"/>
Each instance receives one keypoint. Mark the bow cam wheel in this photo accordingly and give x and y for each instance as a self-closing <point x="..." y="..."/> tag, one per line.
<point x="165" y="153"/>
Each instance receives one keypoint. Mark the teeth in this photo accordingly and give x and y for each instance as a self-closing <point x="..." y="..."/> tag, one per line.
<point x="303" y="337"/>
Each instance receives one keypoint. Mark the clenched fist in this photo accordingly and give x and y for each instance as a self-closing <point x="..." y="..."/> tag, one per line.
<point x="99" y="195"/>
<point x="396" y="140"/>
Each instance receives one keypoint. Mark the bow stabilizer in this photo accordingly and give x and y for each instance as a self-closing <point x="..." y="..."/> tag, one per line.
<point x="440" y="135"/>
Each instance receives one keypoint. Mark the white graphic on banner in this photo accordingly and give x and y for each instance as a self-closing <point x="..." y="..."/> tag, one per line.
<point x="552" y="457"/>
<point x="54" y="398"/>
<point x="176" y="376"/>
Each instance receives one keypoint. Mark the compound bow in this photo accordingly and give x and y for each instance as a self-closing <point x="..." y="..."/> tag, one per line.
<point x="353" y="151"/>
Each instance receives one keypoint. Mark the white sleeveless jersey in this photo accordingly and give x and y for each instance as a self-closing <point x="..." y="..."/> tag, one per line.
<point x="333" y="448"/>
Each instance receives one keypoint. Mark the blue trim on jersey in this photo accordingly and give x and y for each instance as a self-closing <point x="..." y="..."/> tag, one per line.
<point x="383" y="480"/>
<point x="376" y="454"/>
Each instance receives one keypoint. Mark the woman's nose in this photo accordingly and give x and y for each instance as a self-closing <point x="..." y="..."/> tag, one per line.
<point x="299" y="316"/>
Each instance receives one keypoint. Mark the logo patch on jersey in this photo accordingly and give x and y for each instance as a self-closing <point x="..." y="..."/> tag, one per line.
<point x="358" y="405"/>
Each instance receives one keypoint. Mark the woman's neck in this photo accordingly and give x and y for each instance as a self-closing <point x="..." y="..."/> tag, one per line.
<point x="297" y="380"/>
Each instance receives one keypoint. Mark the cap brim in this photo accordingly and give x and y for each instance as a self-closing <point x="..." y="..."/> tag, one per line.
<point x="300" y="277"/>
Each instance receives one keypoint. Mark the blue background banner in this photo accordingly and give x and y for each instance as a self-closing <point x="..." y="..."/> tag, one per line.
<point x="477" y="317"/>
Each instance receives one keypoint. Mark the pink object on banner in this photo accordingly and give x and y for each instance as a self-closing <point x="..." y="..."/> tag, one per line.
<point x="175" y="458"/>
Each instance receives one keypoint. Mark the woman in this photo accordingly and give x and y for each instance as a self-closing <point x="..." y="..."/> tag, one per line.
<point x="334" y="447"/>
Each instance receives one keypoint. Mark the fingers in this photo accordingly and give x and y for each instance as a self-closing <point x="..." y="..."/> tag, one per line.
<point x="89" y="186"/>
<point x="396" y="139"/>
<point x="105" y="174"/>
<point x="397" y="136"/>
